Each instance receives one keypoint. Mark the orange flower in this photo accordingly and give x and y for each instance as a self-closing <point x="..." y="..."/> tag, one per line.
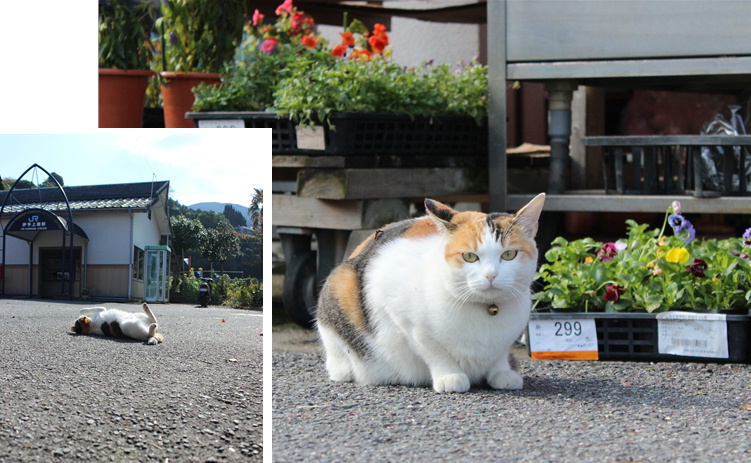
<point x="348" y="40"/>
<point x="339" y="50"/>
<point x="309" y="41"/>
<point x="378" y="43"/>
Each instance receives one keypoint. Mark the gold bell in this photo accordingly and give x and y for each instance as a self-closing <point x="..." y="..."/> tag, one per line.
<point x="493" y="309"/>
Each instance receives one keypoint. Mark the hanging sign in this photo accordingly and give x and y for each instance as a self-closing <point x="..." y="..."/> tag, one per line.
<point x="37" y="220"/>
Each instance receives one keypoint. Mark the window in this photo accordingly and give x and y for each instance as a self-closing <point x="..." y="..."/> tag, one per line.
<point x="137" y="263"/>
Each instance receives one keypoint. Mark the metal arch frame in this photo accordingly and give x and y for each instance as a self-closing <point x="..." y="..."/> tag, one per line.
<point x="69" y="229"/>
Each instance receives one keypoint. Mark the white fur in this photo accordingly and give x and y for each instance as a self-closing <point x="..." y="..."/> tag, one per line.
<point x="139" y="326"/>
<point x="431" y="320"/>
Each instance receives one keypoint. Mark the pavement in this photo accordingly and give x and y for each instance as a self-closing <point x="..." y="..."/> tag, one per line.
<point x="197" y="397"/>
<point x="568" y="411"/>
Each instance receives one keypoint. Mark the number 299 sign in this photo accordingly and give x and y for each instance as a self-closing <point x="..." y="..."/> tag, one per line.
<point x="563" y="339"/>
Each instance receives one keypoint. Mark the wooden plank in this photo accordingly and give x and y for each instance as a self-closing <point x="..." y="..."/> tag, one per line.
<point x="294" y="211"/>
<point x="308" y="161"/>
<point x="389" y="183"/>
<point x="636" y="203"/>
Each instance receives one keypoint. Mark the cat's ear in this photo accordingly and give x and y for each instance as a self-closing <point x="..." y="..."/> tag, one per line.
<point x="440" y="213"/>
<point x="529" y="216"/>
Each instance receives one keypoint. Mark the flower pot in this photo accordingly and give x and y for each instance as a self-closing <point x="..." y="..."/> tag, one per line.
<point x="178" y="98"/>
<point x="121" y="97"/>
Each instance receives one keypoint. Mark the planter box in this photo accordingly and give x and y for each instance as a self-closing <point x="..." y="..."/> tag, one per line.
<point x="366" y="133"/>
<point x="645" y="336"/>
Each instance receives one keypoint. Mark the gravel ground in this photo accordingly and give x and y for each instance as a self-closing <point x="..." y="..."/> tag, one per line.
<point x="567" y="411"/>
<point x="195" y="397"/>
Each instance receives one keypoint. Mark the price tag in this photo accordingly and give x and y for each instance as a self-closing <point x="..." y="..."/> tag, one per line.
<point x="221" y="124"/>
<point x="564" y="339"/>
<point x="692" y="334"/>
<point x="310" y="138"/>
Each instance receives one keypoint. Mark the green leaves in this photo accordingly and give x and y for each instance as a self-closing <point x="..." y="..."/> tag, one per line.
<point x="575" y="277"/>
<point x="124" y="34"/>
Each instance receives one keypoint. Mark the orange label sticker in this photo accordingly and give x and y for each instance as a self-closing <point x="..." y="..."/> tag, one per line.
<point x="570" y="355"/>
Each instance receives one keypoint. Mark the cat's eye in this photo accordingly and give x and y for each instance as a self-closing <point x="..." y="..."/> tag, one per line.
<point x="509" y="255"/>
<point x="470" y="257"/>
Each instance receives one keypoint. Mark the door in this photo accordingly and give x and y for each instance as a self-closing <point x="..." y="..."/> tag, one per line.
<point x="157" y="275"/>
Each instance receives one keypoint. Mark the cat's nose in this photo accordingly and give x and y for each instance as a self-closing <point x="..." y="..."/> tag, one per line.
<point x="490" y="277"/>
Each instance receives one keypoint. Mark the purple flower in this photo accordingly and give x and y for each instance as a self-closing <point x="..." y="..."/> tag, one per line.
<point x="173" y="38"/>
<point x="747" y="237"/>
<point x="681" y="224"/>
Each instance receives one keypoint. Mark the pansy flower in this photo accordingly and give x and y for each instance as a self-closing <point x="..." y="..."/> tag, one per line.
<point x="610" y="250"/>
<point x="747" y="237"/>
<point x="613" y="293"/>
<point x="697" y="268"/>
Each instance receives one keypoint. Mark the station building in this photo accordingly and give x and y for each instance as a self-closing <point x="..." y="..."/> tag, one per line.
<point x="105" y="242"/>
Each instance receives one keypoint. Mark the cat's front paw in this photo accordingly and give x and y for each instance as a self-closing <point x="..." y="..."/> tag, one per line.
<point x="507" y="379"/>
<point x="455" y="382"/>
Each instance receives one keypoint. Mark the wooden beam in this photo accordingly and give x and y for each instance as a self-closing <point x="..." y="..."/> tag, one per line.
<point x="389" y="183"/>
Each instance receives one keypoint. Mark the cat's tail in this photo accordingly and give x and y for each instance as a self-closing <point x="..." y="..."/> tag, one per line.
<point x="149" y="313"/>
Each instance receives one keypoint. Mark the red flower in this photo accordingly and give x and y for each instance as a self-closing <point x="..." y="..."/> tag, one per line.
<point x="309" y="41"/>
<point x="697" y="268"/>
<point x="607" y="252"/>
<point x="614" y="292"/>
<point x="269" y="44"/>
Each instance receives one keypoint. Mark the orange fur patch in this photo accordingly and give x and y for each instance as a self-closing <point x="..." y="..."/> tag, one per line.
<point x="421" y="228"/>
<point x="347" y="293"/>
<point x="466" y="236"/>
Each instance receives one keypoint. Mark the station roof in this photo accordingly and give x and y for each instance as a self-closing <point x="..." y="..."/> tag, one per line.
<point x="85" y="198"/>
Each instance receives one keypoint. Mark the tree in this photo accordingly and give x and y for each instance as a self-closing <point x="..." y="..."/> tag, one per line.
<point x="211" y="219"/>
<point x="234" y="216"/>
<point x="220" y="244"/>
<point x="189" y="234"/>
<point x="256" y="209"/>
<point x="51" y="183"/>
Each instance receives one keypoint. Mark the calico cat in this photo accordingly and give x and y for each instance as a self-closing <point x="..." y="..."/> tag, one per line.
<point x="119" y="324"/>
<point x="438" y="300"/>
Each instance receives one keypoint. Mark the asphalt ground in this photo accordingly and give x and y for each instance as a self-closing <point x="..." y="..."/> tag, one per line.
<point x="195" y="397"/>
<point x="568" y="411"/>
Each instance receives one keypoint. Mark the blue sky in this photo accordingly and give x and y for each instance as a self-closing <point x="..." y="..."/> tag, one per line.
<point x="221" y="165"/>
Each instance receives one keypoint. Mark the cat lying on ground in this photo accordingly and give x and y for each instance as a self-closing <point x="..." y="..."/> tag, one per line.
<point x="438" y="300"/>
<point x="119" y="324"/>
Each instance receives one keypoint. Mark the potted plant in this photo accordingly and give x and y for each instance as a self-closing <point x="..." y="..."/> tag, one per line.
<point x="345" y="87"/>
<point x="631" y="286"/>
<point x="124" y="54"/>
<point x="197" y="38"/>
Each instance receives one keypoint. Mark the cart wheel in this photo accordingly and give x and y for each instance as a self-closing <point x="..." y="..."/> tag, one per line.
<point x="300" y="290"/>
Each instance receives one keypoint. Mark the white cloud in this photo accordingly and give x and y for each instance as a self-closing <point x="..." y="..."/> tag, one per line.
<point x="206" y="165"/>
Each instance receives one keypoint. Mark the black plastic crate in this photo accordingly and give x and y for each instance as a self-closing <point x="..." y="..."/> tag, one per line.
<point x="674" y="164"/>
<point x="634" y="337"/>
<point x="283" y="134"/>
<point x="370" y="133"/>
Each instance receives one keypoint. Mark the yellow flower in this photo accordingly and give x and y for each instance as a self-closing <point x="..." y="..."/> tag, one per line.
<point x="661" y="242"/>
<point x="587" y="260"/>
<point x="651" y="264"/>
<point x="677" y="255"/>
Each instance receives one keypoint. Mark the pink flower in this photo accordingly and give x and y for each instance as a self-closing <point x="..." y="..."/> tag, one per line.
<point x="285" y="7"/>
<point x="610" y="250"/>
<point x="257" y="18"/>
<point x="268" y="45"/>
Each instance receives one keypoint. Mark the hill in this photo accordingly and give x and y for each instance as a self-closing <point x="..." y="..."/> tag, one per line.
<point x="219" y="207"/>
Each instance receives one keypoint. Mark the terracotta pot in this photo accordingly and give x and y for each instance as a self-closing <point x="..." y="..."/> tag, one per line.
<point x="177" y="95"/>
<point x="122" y="94"/>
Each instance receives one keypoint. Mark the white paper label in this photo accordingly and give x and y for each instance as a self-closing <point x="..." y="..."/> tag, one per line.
<point x="692" y="334"/>
<point x="566" y="339"/>
<point x="310" y="137"/>
<point x="221" y="124"/>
